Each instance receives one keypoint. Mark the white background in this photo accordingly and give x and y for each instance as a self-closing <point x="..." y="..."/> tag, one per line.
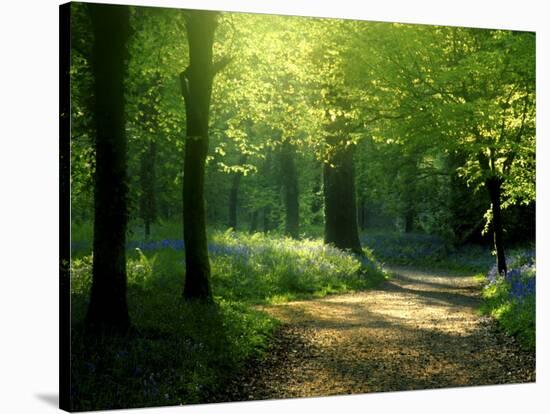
<point x="29" y="204"/>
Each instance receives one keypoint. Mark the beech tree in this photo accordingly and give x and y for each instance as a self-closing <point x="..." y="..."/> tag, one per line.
<point x="196" y="87"/>
<point x="108" y="308"/>
<point x="341" y="228"/>
<point x="340" y="121"/>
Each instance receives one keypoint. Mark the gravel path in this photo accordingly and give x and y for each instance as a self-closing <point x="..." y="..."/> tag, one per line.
<point x="418" y="330"/>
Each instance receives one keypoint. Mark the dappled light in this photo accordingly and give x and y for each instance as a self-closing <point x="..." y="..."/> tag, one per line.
<point x="397" y="337"/>
<point x="262" y="206"/>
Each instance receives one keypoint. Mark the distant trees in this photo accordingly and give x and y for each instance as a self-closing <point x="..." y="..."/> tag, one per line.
<point x="149" y="121"/>
<point x="148" y="197"/>
<point x="289" y="178"/>
<point x="234" y="194"/>
<point x="453" y="90"/>
<point x="108" y="308"/>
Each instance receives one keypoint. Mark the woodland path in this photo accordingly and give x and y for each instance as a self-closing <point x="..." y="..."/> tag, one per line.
<point x="417" y="330"/>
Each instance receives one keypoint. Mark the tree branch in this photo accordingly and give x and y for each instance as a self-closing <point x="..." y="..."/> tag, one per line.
<point x="219" y="65"/>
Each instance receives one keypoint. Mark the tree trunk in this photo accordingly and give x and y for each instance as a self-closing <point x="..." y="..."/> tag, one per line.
<point x="266" y="217"/>
<point x="340" y="208"/>
<point x="407" y="181"/>
<point x="291" y="192"/>
<point x="108" y="308"/>
<point x="148" y="206"/>
<point x="362" y="214"/>
<point x="254" y="221"/>
<point x="196" y="85"/>
<point x="317" y="201"/>
<point x="147" y="229"/>
<point x="409" y="220"/>
<point x="494" y="186"/>
<point x="234" y="195"/>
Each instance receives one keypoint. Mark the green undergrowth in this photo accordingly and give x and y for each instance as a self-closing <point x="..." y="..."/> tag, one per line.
<point x="512" y="303"/>
<point x="182" y="352"/>
<point x="516" y="318"/>
<point x="259" y="268"/>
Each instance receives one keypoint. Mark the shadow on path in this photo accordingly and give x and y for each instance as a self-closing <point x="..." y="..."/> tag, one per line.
<point x="418" y="330"/>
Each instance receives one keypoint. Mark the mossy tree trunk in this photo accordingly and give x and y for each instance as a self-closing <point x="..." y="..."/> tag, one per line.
<point x="340" y="204"/>
<point x="108" y="307"/>
<point x="196" y="86"/>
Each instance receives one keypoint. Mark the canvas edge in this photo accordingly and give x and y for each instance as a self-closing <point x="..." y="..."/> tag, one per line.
<point x="64" y="207"/>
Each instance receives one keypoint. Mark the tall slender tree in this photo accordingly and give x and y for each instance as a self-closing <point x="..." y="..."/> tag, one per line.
<point x="108" y="308"/>
<point x="196" y="86"/>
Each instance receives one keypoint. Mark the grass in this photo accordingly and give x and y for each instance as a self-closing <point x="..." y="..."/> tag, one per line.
<point x="181" y="352"/>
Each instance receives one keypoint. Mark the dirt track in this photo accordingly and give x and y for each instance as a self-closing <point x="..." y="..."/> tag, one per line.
<point x="418" y="330"/>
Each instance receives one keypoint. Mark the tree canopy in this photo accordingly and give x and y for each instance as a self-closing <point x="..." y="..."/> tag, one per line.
<point x="410" y="121"/>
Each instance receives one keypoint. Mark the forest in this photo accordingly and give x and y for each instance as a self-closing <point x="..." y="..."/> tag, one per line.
<point x="250" y="194"/>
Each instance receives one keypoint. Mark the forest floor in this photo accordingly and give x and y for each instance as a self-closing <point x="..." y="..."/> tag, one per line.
<point x="417" y="330"/>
